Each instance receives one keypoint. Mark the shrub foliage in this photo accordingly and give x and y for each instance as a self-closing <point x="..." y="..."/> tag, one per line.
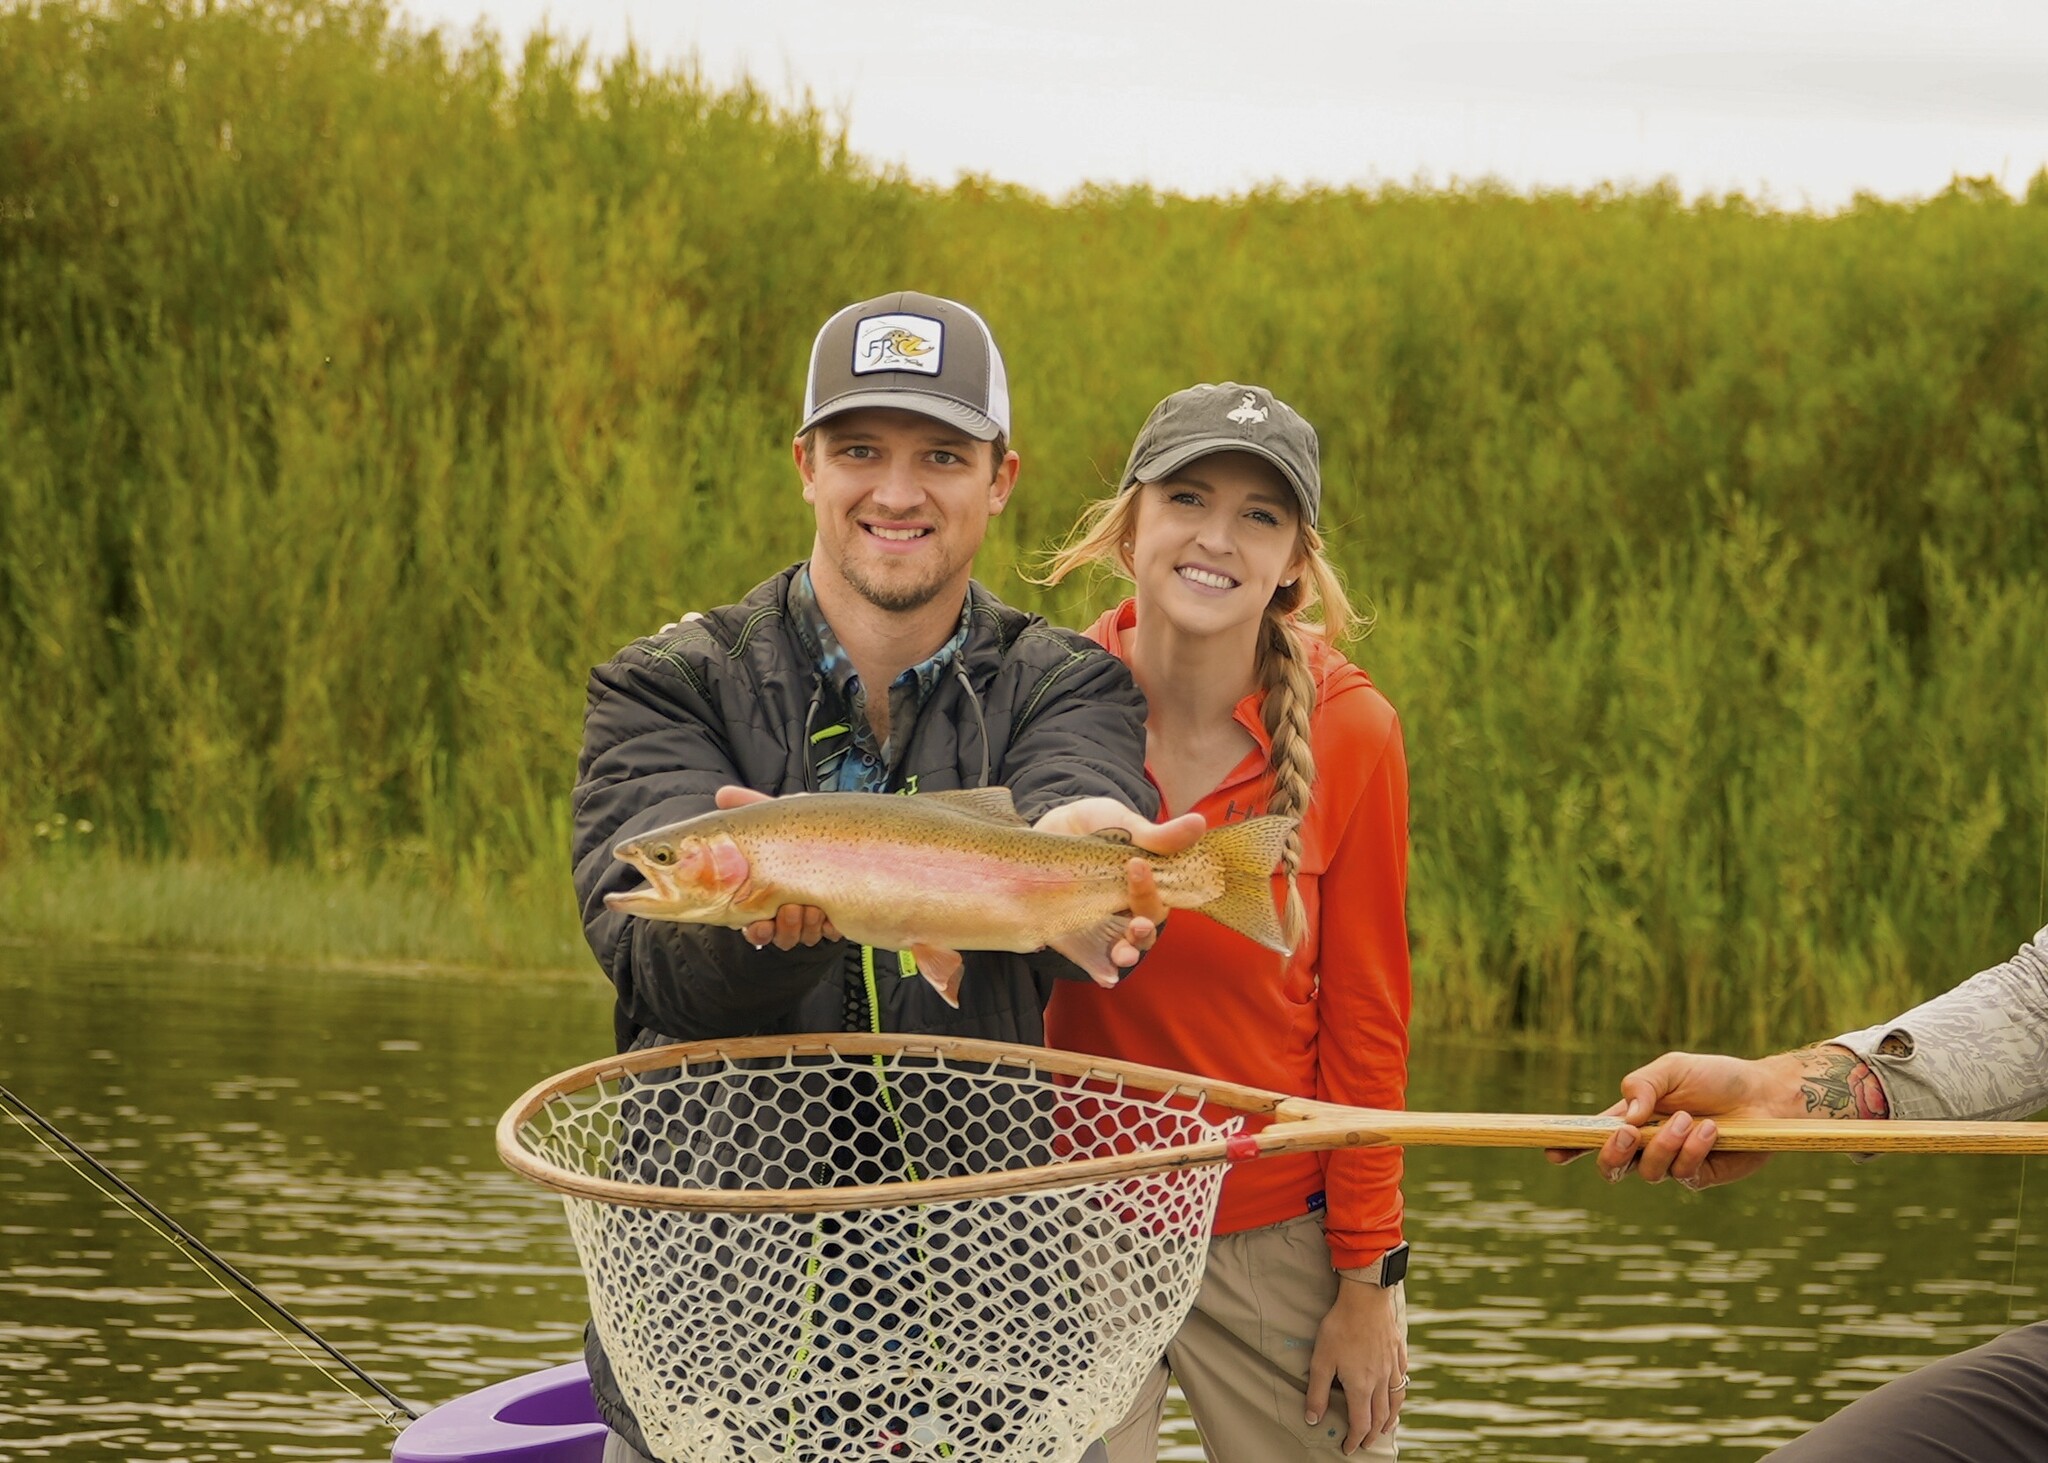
<point x="361" y="386"/>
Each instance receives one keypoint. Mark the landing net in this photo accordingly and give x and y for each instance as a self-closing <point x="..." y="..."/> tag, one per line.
<point x="1007" y="1326"/>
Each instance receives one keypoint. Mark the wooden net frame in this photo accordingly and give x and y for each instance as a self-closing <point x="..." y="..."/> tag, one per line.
<point x="871" y="1246"/>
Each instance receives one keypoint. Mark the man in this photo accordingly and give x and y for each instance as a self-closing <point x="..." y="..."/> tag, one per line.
<point x="1980" y="1051"/>
<point x="877" y="665"/>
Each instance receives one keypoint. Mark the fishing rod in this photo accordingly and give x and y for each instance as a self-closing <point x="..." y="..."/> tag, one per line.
<point x="198" y="1247"/>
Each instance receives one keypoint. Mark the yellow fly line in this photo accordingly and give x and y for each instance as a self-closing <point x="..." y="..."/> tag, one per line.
<point x="388" y="1415"/>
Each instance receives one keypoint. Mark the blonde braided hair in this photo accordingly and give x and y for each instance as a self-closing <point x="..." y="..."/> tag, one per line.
<point x="1102" y="537"/>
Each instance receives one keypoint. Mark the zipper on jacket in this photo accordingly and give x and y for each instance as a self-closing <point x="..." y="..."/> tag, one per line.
<point x="811" y="739"/>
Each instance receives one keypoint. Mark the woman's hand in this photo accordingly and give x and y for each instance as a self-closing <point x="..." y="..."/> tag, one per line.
<point x="1359" y="1345"/>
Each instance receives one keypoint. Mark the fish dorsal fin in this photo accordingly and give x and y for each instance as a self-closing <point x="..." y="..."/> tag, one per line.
<point x="990" y="804"/>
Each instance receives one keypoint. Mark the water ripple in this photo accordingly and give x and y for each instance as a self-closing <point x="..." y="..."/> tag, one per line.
<point x="332" y="1137"/>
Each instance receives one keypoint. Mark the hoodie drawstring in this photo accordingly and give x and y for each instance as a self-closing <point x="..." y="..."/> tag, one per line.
<point x="980" y="720"/>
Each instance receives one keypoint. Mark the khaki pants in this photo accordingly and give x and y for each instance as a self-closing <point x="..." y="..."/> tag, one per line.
<point x="1242" y="1355"/>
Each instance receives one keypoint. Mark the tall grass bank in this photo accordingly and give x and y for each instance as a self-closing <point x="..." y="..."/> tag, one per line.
<point x="360" y="387"/>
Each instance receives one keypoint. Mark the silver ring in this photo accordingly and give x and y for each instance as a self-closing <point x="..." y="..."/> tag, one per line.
<point x="1397" y="1386"/>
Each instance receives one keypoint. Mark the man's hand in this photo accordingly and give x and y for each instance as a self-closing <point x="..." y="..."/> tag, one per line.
<point x="1359" y="1344"/>
<point x="794" y="924"/>
<point x="1147" y="909"/>
<point x="1694" y="1091"/>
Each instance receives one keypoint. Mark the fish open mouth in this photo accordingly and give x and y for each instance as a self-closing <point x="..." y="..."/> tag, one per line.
<point x="631" y="901"/>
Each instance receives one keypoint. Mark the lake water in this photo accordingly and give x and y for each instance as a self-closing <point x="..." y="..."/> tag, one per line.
<point x="331" y="1134"/>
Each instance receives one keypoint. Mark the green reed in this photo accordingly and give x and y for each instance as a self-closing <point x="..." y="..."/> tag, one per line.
<point x="361" y="386"/>
<point x="289" y="915"/>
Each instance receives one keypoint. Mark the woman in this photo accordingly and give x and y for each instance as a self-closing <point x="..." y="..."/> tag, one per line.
<point x="1251" y="710"/>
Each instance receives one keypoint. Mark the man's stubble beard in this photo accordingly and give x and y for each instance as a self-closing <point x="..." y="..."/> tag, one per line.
<point x="889" y="593"/>
<point x="897" y="599"/>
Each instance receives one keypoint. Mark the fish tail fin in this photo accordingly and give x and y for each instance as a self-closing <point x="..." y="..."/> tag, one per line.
<point x="1247" y="853"/>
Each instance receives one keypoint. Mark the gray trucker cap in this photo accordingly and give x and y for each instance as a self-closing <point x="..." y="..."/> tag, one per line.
<point x="915" y="353"/>
<point x="1228" y="417"/>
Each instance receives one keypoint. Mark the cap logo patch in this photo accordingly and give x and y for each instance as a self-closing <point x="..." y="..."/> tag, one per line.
<point x="1250" y="411"/>
<point x="898" y="343"/>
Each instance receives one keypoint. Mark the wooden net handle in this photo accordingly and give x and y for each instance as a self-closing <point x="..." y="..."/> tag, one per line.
<point x="1317" y="1126"/>
<point x="1298" y="1125"/>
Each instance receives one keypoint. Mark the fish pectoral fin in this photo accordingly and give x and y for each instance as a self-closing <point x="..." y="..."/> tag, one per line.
<point x="755" y="901"/>
<point x="1090" y="948"/>
<point x="943" y="968"/>
<point x="990" y="804"/>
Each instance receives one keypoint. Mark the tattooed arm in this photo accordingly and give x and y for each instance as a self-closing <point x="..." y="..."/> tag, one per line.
<point x="1691" y="1091"/>
<point x="1836" y="1083"/>
<point x="1979" y="1051"/>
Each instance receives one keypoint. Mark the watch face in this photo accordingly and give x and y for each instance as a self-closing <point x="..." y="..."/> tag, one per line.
<point x="1394" y="1265"/>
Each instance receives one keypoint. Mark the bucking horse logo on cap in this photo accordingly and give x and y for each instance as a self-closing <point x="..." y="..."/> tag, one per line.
<point x="1250" y="411"/>
<point x="897" y="343"/>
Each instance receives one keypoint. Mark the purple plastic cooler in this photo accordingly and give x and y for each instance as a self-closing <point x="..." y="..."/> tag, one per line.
<point x="545" y="1417"/>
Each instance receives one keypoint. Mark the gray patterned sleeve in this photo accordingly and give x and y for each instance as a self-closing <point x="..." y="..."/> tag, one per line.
<point x="1978" y="1051"/>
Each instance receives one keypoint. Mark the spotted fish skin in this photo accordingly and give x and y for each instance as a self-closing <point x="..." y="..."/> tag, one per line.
<point x="955" y="871"/>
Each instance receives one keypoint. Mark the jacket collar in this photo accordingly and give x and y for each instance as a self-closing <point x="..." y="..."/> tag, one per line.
<point x="830" y="657"/>
<point x="992" y="626"/>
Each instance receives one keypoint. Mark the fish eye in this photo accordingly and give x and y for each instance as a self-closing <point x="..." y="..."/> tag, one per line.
<point x="663" y="855"/>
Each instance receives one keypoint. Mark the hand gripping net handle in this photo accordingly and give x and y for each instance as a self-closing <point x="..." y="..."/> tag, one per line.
<point x="1295" y="1125"/>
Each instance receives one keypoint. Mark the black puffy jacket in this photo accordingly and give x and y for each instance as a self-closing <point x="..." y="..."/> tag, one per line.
<point x="731" y="697"/>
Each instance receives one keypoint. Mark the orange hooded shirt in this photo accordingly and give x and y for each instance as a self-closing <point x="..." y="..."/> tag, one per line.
<point x="1331" y="1020"/>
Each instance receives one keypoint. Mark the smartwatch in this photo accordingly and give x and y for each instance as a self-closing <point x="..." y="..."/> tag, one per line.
<point x="1391" y="1269"/>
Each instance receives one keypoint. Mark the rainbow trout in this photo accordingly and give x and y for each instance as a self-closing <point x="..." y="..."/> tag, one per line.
<point x="942" y="872"/>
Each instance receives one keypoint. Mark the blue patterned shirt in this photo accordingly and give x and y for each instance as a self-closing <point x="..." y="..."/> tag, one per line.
<point x="844" y="748"/>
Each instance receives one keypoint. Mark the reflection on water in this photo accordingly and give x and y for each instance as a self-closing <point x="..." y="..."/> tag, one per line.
<point x="332" y="1135"/>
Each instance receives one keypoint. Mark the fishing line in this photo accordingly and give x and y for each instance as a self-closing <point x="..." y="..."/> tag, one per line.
<point x="2041" y="904"/>
<point x="178" y="1236"/>
<point x="2040" y="918"/>
<point x="2019" y="1207"/>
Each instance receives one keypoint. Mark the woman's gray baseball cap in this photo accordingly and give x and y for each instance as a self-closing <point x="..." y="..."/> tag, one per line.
<point x="1228" y="417"/>
<point x="915" y="353"/>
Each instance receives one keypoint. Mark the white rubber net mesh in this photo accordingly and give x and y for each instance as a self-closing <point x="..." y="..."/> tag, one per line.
<point x="1014" y="1327"/>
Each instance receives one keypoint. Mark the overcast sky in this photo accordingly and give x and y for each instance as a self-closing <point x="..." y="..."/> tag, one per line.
<point x="1804" y="102"/>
